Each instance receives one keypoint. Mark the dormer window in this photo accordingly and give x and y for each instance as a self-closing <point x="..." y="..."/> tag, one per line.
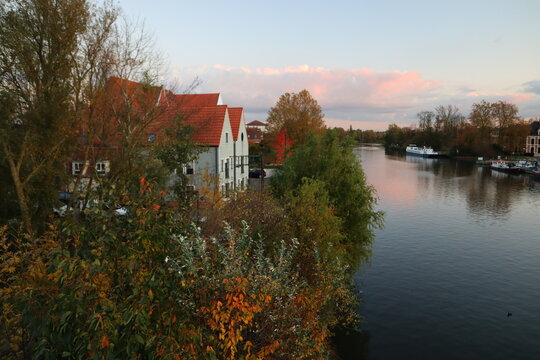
<point x="151" y="137"/>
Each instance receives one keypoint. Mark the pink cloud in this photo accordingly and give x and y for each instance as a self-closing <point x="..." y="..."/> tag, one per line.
<point x="333" y="88"/>
<point x="516" y="98"/>
<point x="363" y="97"/>
<point x="520" y="98"/>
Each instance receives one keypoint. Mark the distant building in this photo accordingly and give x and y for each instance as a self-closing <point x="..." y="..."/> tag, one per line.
<point x="256" y="124"/>
<point x="254" y="135"/>
<point x="532" y="144"/>
<point x="255" y="131"/>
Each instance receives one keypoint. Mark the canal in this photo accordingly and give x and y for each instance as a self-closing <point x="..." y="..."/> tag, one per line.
<point x="455" y="273"/>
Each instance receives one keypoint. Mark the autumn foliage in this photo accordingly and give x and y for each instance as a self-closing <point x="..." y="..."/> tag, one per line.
<point x="149" y="285"/>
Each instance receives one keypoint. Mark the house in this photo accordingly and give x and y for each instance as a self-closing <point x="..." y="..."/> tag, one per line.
<point x="532" y="144"/>
<point x="240" y="148"/>
<point x="255" y="135"/>
<point x="256" y="124"/>
<point x="255" y="131"/>
<point x="224" y="158"/>
<point x="221" y="131"/>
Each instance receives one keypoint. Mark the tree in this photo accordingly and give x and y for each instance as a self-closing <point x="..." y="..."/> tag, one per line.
<point x="396" y="138"/>
<point x="62" y="65"/>
<point x="506" y="118"/>
<point x="297" y="113"/>
<point x="326" y="159"/>
<point x="426" y="120"/>
<point x="316" y="225"/>
<point x="482" y="123"/>
<point x="38" y="43"/>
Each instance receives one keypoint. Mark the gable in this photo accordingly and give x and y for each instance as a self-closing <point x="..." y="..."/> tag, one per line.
<point x="235" y="116"/>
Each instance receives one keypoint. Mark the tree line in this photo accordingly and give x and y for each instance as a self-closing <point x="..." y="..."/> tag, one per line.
<point x="490" y="129"/>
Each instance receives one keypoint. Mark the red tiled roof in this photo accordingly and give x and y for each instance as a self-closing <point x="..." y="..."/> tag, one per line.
<point x="199" y="111"/>
<point x="256" y="123"/>
<point x="207" y="122"/>
<point x="197" y="100"/>
<point x="235" y="117"/>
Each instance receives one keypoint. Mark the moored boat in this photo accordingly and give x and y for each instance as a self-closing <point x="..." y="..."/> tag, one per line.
<point x="421" y="151"/>
<point x="535" y="174"/>
<point x="526" y="166"/>
<point x="505" y="166"/>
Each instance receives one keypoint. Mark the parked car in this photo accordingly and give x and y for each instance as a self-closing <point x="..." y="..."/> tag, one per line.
<point x="257" y="173"/>
<point x="92" y="204"/>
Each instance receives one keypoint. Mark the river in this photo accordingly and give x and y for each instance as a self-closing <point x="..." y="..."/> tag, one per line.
<point x="455" y="273"/>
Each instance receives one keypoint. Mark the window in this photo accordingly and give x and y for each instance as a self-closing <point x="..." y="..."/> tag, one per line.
<point x="241" y="164"/>
<point x="76" y="167"/>
<point x="221" y="165"/>
<point x="226" y="137"/>
<point x="151" y="137"/>
<point x="188" y="169"/>
<point x="242" y="136"/>
<point x="101" y="167"/>
<point x="532" y="141"/>
<point x="532" y="150"/>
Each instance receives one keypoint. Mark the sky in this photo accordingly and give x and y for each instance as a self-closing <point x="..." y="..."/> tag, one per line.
<point x="367" y="63"/>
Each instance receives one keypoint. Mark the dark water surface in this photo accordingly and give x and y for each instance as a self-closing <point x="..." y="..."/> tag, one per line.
<point x="459" y="251"/>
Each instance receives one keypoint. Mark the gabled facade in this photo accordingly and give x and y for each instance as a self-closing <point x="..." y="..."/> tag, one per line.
<point x="241" y="147"/>
<point x="532" y="144"/>
<point x="213" y="131"/>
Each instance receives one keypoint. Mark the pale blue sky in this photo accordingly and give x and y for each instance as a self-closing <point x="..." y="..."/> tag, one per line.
<point x="419" y="53"/>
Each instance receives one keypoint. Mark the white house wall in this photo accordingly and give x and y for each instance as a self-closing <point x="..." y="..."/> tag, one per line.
<point x="205" y="164"/>
<point x="242" y="150"/>
<point x="225" y="154"/>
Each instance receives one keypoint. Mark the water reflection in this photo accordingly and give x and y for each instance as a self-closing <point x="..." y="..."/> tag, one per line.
<point x="459" y="250"/>
<point x="489" y="194"/>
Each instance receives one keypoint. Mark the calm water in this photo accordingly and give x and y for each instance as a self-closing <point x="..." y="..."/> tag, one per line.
<point x="460" y="250"/>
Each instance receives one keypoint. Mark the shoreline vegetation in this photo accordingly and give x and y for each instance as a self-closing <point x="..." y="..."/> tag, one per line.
<point x="490" y="130"/>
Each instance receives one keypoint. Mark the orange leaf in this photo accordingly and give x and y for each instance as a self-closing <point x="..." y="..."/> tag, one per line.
<point x="104" y="341"/>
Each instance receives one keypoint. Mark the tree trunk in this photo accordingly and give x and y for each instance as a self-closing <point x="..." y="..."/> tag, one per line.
<point x="19" y="189"/>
